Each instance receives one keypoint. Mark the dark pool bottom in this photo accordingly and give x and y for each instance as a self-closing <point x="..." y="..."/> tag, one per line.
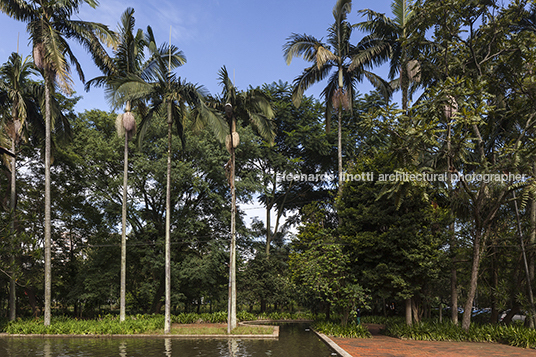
<point x="295" y="340"/>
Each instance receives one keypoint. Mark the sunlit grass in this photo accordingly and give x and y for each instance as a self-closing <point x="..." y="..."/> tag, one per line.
<point x="212" y="330"/>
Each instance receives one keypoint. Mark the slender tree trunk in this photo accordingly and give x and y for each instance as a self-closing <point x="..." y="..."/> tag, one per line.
<point x="409" y="319"/>
<point x="473" y="282"/>
<point x="494" y="318"/>
<point x="452" y="238"/>
<point x="415" y="309"/>
<point x="13" y="206"/>
<point x="167" y="323"/>
<point x="453" y="279"/>
<point x="532" y="232"/>
<point x="231" y="319"/>
<point x="526" y="264"/>
<point x="122" y="302"/>
<point x="280" y="210"/>
<point x="48" y="227"/>
<point x="268" y="230"/>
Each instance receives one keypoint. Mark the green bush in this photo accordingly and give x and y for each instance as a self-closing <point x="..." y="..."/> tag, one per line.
<point x="245" y="316"/>
<point x="108" y="324"/>
<point x="375" y="319"/>
<point x="337" y="330"/>
<point x="513" y="335"/>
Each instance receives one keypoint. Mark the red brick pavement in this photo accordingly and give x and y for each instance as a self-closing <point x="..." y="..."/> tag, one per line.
<point x="385" y="346"/>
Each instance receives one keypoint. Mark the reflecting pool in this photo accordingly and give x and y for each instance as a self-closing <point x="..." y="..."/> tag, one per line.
<point x="295" y="340"/>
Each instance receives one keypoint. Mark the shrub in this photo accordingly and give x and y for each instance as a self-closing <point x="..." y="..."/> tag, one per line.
<point x="108" y="324"/>
<point x="337" y="330"/>
<point x="513" y="335"/>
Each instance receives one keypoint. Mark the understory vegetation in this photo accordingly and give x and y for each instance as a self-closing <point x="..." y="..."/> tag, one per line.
<point x="513" y="335"/>
<point x="337" y="330"/>
<point x="135" y="324"/>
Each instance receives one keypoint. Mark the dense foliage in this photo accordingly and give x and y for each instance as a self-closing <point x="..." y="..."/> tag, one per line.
<point x="437" y="205"/>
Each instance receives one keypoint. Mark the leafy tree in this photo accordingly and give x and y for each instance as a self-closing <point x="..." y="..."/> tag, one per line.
<point x="265" y="280"/>
<point x="321" y="267"/>
<point x="487" y="135"/>
<point x="395" y="247"/>
<point x="300" y="148"/>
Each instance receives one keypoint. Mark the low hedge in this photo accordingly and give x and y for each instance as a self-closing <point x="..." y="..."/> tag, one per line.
<point x="513" y="335"/>
<point x="110" y="324"/>
<point x="337" y="330"/>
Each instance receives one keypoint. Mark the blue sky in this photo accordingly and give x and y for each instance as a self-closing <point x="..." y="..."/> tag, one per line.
<point x="246" y="36"/>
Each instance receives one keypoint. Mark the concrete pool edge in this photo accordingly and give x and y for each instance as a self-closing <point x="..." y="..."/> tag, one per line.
<point x="332" y="344"/>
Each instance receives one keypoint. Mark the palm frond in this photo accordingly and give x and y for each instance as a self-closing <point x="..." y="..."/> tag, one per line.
<point x="382" y="86"/>
<point x="402" y="12"/>
<point x="301" y="46"/>
<point x="341" y="10"/>
<point x="18" y="10"/>
<point x="308" y="77"/>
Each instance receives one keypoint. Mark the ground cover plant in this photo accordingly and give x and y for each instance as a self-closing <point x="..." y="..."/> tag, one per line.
<point x="110" y="324"/>
<point x="513" y="335"/>
<point x="337" y="330"/>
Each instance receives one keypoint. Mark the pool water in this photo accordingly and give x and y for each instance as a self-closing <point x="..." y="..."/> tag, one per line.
<point x="295" y="340"/>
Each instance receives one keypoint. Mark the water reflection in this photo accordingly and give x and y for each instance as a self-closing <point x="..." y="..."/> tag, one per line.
<point x="294" y="341"/>
<point x="233" y="347"/>
<point x="123" y="349"/>
<point x="167" y="347"/>
<point x="47" y="349"/>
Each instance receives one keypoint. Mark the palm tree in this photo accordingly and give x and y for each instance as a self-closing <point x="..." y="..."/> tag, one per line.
<point x="386" y="41"/>
<point x="50" y="26"/>
<point x="19" y="93"/>
<point x="128" y="60"/>
<point x="338" y="54"/>
<point x="169" y="96"/>
<point x="253" y="106"/>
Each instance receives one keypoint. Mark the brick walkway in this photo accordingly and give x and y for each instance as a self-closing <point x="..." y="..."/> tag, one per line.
<point x="380" y="345"/>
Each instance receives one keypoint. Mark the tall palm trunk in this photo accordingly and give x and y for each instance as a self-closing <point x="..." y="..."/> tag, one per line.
<point x="268" y="229"/>
<point x="339" y="131"/>
<point x="167" y="323"/>
<point x="231" y="318"/>
<point x="48" y="272"/>
<point x="404" y="82"/>
<point x="122" y="302"/>
<point x="12" y="285"/>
